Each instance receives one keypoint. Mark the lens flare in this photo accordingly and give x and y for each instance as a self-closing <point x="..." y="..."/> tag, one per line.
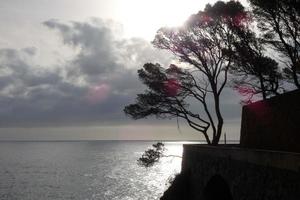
<point x="172" y="87"/>
<point x="98" y="94"/>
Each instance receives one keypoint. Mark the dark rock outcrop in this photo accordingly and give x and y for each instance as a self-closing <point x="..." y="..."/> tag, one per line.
<point x="179" y="189"/>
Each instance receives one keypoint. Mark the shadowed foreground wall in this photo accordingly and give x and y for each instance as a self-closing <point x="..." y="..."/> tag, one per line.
<point x="272" y="124"/>
<point x="248" y="174"/>
<point x="265" y="166"/>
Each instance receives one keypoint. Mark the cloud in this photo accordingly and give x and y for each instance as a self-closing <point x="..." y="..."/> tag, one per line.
<point x="92" y="87"/>
<point x="95" y="42"/>
<point x="101" y="51"/>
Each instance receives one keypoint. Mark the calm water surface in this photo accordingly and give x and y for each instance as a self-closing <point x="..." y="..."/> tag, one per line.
<point x="82" y="170"/>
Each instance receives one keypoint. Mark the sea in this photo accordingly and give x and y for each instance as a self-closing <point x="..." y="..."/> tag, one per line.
<point x="83" y="170"/>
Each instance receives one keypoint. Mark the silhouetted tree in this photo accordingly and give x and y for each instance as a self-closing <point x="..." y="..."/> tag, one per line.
<point x="205" y="43"/>
<point x="279" y="21"/>
<point x="254" y="73"/>
<point x="152" y="155"/>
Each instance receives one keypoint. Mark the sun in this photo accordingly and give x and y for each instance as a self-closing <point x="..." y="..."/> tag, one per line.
<point x="142" y="18"/>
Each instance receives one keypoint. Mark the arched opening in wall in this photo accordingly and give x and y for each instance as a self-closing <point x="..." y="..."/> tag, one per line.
<point x="217" y="189"/>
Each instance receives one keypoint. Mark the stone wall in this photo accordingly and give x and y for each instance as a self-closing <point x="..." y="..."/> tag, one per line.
<point x="236" y="174"/>
<point x="265" y="166"/>
<point x="272" y="124"/>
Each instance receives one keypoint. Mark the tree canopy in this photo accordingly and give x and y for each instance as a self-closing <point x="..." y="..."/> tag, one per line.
<point x="205" y="42"/>
<point x="279" y="23"/>
<point x="221" y="43"/>
<point x="255" y="75"/>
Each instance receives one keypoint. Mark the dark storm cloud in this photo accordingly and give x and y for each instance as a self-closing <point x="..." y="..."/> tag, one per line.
<point x="103" y="57"/>
<point x="96" y="44"/>
<point x="17" y="72"/>
<point x="101" y="52"/>
<point x="91" y="88"/>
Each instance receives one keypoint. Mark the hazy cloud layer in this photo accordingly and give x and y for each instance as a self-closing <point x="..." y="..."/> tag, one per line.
<point x="90" y="88"/>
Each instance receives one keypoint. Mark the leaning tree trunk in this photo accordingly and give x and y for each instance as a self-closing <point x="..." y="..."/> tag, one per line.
<point x="262" y="86"/>
<point x="295" y="77"/>
<point x="220" y="120"/>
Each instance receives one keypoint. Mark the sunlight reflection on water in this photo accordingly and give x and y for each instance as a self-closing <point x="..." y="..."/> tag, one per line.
<point x="145" y="183"/>
<point x="83" y="170"/>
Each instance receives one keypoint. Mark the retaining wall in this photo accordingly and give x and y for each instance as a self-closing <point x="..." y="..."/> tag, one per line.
<point x="231" y="173"/>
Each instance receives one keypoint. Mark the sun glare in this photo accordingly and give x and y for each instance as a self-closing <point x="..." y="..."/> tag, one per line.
<point x="142" y="18"/>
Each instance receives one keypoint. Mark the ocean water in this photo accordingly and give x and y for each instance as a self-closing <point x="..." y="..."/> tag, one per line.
<point x="85" y="170"/>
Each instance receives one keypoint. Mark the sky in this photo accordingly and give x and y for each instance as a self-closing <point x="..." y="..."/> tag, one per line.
<point x="68" y="68"/>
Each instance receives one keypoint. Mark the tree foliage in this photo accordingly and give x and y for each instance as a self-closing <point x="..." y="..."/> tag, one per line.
<point x="152" y="155"/>
<point x="279" y="22"/>
<point x="206" y="44"/>
<point x="254" y="73"/>
<point x="213" y="43"/>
